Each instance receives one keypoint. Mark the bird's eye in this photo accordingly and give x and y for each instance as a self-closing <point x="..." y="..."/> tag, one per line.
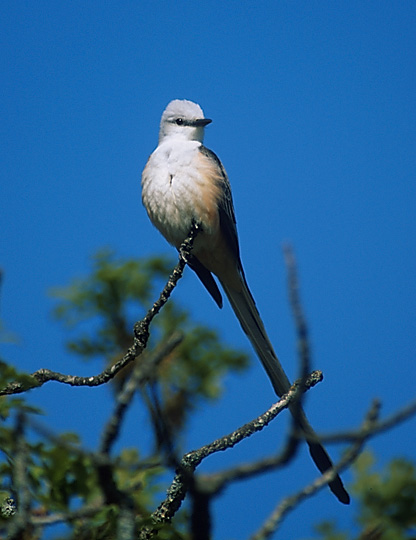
<point x="179" y="121"/>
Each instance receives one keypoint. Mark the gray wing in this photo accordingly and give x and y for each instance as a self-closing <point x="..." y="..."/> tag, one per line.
<point x="228" y="222"/>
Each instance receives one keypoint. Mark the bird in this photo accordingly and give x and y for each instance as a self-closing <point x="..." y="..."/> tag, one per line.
<point x="185" y="184"/>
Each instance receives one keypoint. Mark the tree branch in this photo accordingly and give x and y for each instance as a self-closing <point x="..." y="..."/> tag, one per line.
<point x="20" y="519"/>
<point x="190" y="461"/>
<point x="141" y="337"/>
<point x="291" y="502"/>
<point x="140" y="374"/>
<point x="377" y="427"/>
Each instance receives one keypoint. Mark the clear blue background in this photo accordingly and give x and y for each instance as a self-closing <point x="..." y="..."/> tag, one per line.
<point x="314" y="119"/>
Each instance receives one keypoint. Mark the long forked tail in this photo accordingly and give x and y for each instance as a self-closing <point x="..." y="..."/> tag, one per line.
<point x="245" y="308"/>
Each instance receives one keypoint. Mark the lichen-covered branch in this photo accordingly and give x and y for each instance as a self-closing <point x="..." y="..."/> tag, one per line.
<point x="141" y="337"/>
<point x="190" y="461"/>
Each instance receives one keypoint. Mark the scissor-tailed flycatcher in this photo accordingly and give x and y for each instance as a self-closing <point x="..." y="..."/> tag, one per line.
<point x="185" y="183"/>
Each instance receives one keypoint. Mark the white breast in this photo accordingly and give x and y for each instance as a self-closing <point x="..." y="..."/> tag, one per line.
<point x="179" y="186"/>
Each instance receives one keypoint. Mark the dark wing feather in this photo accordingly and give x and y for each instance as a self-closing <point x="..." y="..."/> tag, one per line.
<point x="206" y="277"/>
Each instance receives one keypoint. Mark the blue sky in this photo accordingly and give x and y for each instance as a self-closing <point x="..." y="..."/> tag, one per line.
<point x="313" y="108"/>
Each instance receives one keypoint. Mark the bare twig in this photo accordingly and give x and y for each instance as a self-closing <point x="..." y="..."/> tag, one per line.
<point x="303" y="353"/>
<point x="380" y="426"/>
<point x="141" y="336"/>
<point x="190" y="461"/>
<point x="291" y="502"/>
<point x="297" y="311"/>
<point x="140" y="374"/>
<point x="214" y="483"/>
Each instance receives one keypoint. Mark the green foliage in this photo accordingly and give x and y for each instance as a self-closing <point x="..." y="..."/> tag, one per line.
<point x="328" y="531"/>
<point x="389" y="497"/>
<point x="60" y="474"/>
<point x="387" y="501"/>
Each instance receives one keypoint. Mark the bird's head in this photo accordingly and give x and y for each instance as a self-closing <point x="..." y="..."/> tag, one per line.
<point x="184" y="119"/>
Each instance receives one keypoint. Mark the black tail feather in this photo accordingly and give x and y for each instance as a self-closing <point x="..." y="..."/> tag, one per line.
<point x="324" y="463"/>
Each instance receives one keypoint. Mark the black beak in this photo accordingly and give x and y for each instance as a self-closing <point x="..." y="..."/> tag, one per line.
<point x="202" y="122"/>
